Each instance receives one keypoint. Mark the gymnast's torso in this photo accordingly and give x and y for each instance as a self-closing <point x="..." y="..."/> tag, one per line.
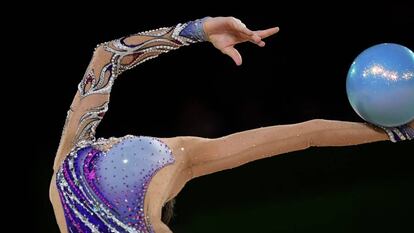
<point x="103" y="184"/>
<point x="118" y="184"/>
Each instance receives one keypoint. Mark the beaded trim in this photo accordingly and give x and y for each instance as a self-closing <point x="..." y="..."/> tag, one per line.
<point x="400" y="133"/>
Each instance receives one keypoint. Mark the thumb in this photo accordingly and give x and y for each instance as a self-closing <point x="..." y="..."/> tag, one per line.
<point x="234" y="54"/>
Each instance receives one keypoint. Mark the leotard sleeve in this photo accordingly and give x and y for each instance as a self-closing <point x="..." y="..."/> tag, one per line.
<point x="109" y="60"/>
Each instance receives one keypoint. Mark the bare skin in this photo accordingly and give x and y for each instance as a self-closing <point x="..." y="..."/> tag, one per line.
<point x="197" y="156"/>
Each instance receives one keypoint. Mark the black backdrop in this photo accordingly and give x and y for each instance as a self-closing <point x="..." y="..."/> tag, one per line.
<point x="299" y="75"/>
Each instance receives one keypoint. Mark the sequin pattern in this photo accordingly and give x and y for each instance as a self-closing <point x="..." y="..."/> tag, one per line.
<point x="125" y="56"/>
<point x="104" y="191"/>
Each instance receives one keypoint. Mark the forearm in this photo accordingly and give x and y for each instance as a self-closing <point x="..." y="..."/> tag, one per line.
<point x="279" y="139"/>
<point x="239" y="148"/>
<point x="127" y="52"/>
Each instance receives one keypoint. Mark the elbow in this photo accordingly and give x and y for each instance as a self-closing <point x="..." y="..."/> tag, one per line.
<point x="100" y="56"/>
<point x="99" y="51"/>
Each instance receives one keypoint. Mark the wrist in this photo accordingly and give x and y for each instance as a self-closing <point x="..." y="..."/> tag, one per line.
<point x="206" y="27"/>
<point x="399" y="133"/>
<point x="196" y="30"/>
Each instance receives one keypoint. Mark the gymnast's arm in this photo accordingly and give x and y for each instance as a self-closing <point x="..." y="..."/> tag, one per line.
<point x="112" y="58"/>
<point x="109" y="60"/>
<point x="212" y="155"/>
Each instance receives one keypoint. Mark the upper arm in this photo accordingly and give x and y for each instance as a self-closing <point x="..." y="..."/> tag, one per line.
<point x="213" y="155"/>
<point x="89" y="104"/>
<point x="207" y="156"/>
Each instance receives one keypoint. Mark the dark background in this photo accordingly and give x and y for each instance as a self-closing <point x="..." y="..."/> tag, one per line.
<point x="299" y="75"/>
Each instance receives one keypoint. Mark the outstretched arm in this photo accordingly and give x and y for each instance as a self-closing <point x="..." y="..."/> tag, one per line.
<point x="112" y="58"/>
<point x="213" y="155"/>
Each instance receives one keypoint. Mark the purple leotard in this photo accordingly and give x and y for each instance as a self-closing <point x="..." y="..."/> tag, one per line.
<point x="104" y="190"/>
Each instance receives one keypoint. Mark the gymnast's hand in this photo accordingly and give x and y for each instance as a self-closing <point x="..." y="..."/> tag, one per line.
<point x="225" y="32"/>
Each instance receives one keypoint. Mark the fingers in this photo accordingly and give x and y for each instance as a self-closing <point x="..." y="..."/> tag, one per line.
<point x="256" y="39"/>
<point x="254" y="36"/>
<point x="242" y="28"/>
<point x="250" y="35"/>
<point x="267" y="32"/>
<point x="234" y="54"/>
<point x="259" y="35"/>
